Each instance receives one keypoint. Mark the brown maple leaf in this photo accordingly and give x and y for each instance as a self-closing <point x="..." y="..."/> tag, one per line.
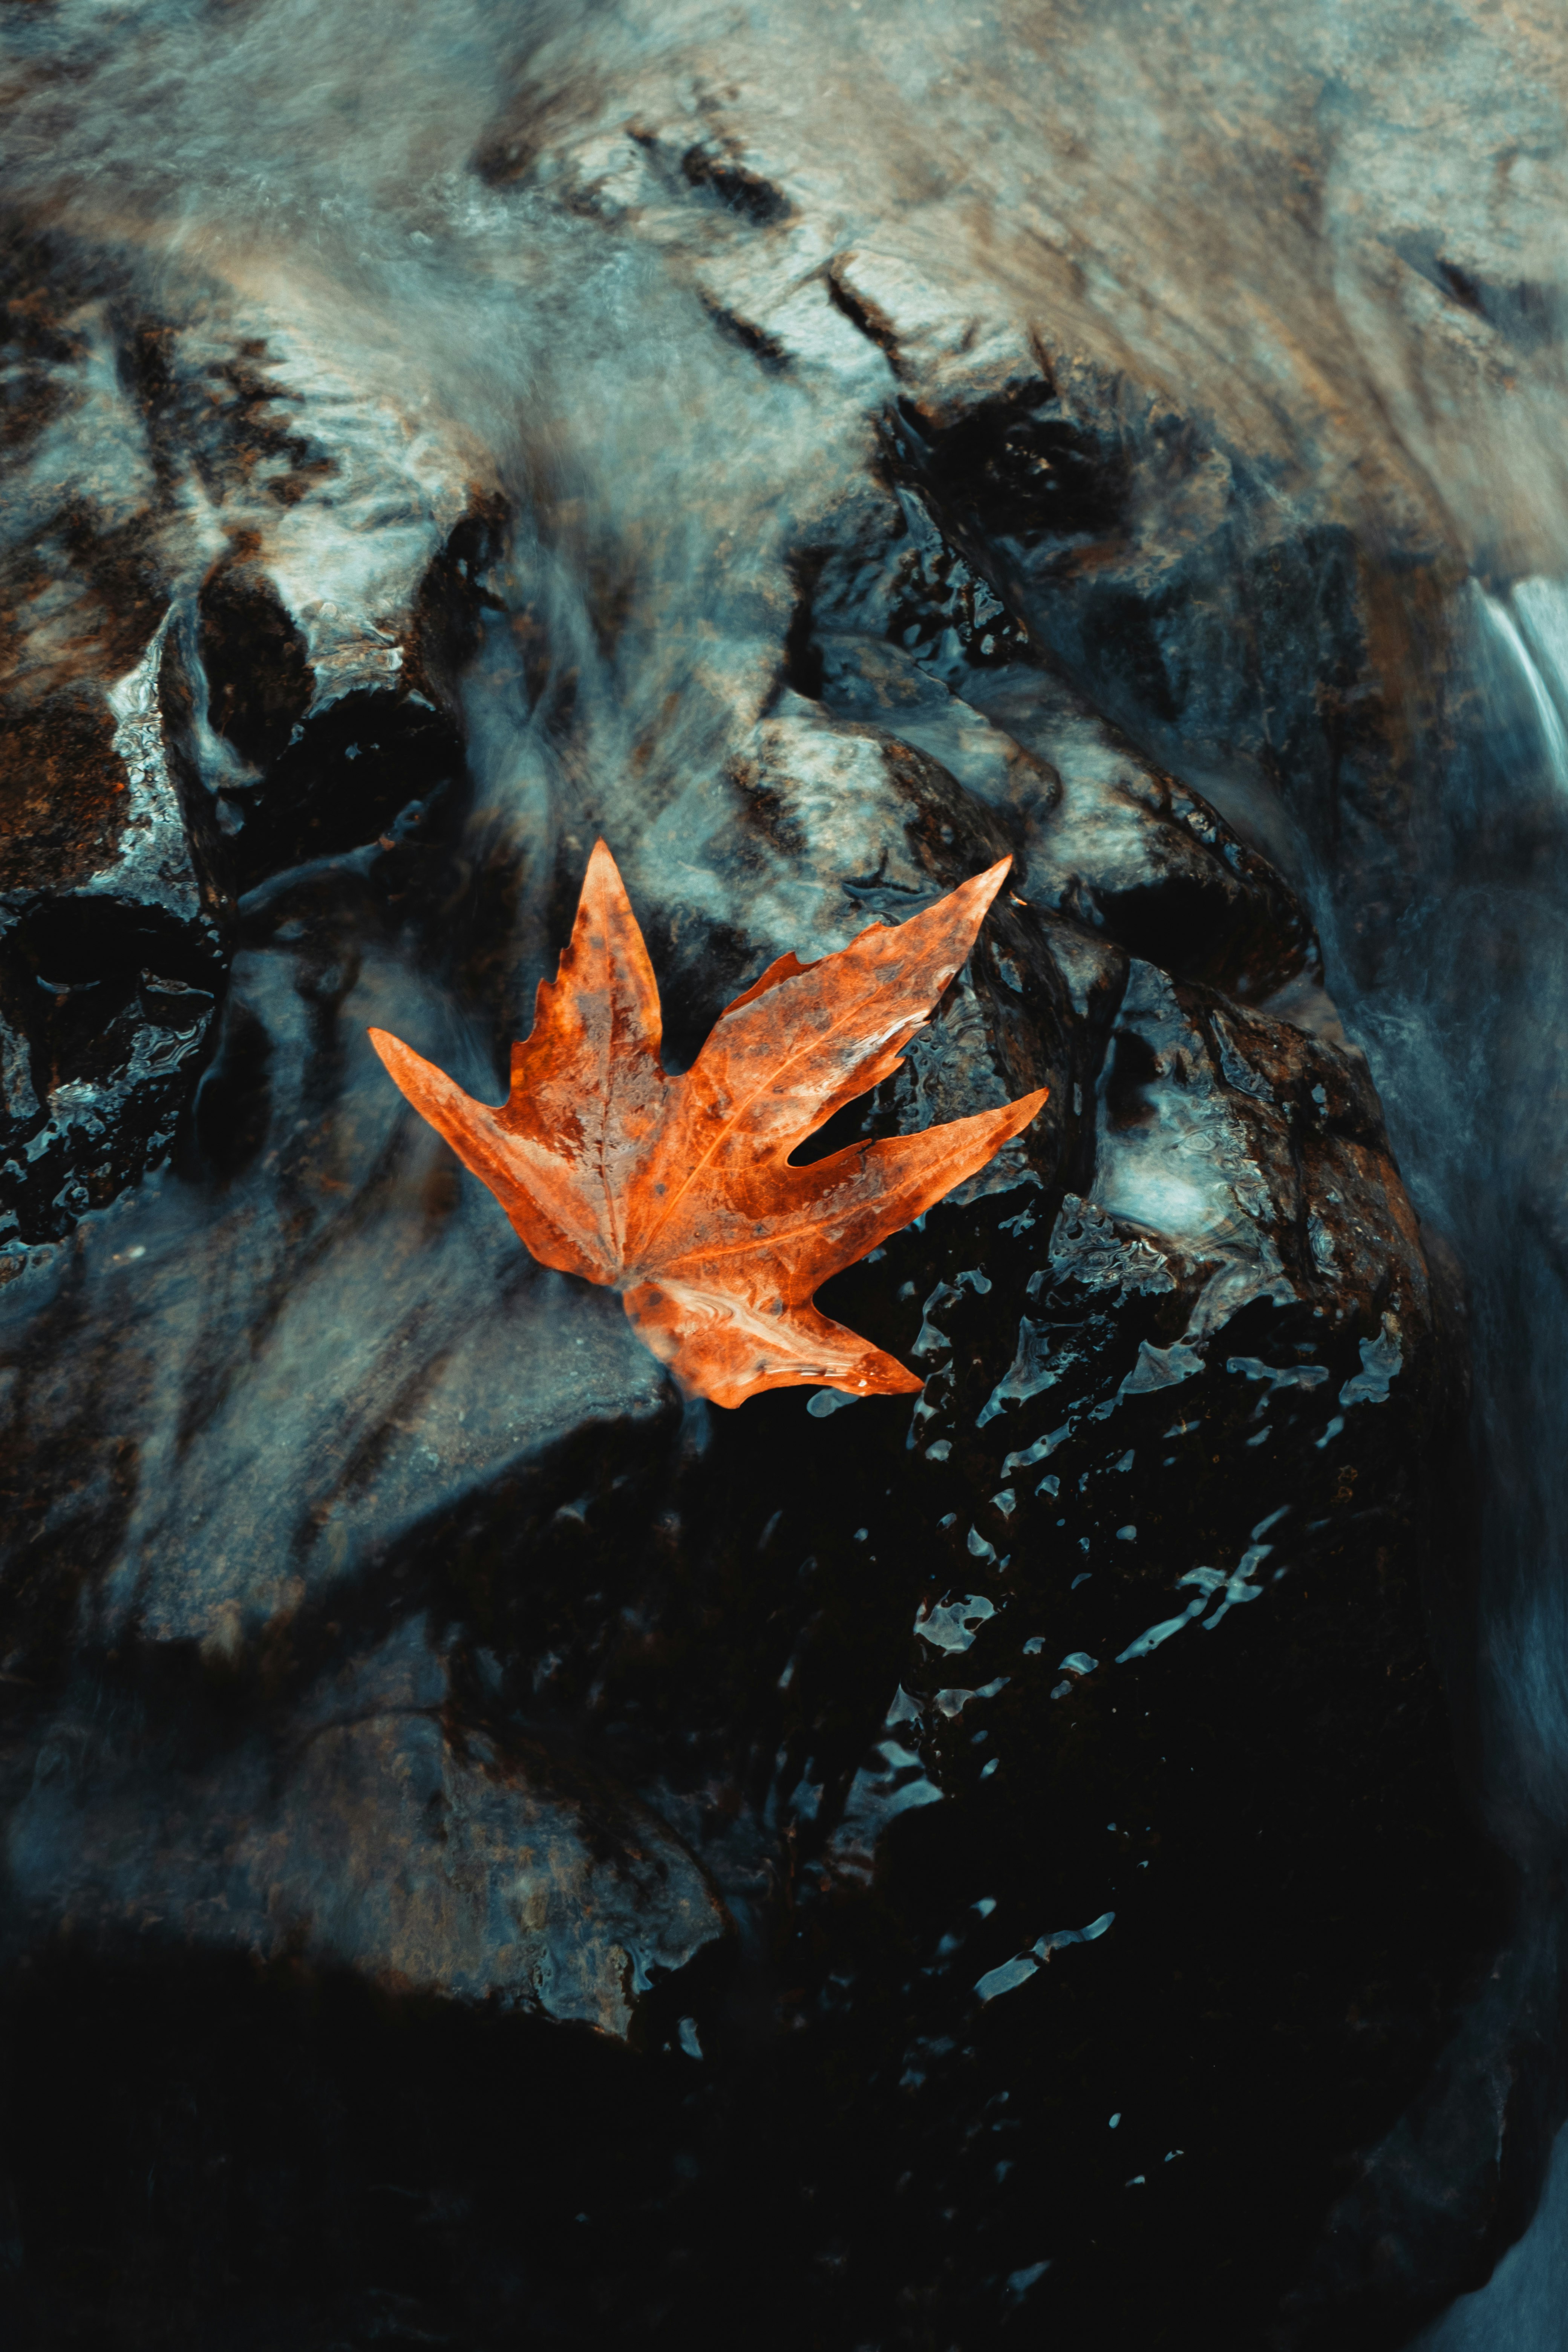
<point x="678" y="1192"/>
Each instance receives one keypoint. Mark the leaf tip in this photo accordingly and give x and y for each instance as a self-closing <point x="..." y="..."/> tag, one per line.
<point x="603" y="876"/>
<point x="971" y="901"/>
<point x="1024" y="1111"/>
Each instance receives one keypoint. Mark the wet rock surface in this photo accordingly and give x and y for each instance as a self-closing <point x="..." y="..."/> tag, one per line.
<point x="232" y="647"/>
<point x="373" y="1605"/>
<point x="493" y="1848"/>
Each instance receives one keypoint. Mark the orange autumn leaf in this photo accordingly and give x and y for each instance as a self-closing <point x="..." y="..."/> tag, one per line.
<point x="678" y="1192"/>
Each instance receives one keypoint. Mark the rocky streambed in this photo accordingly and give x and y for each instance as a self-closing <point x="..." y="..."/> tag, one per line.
<point x="495" y="1850"/>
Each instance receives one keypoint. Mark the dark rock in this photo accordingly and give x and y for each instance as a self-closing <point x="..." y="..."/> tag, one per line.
<point x="1459" y="2173"/>
<point x="1201" y="1412"/>
<point x="1204" y="1233"/>
<point x="392" y="1834"/>
<point x="108" y="983"/>
<point x="911" y="636"/>
<point x="174" y="734"/>
<point x="497" y="1850"/>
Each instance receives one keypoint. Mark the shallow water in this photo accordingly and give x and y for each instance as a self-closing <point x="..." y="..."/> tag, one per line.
<point x="475" y="238"/>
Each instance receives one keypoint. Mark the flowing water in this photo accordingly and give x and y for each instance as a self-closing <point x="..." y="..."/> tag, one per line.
<point x="1467" y="1035"/>
<point x="1253" y="211"/>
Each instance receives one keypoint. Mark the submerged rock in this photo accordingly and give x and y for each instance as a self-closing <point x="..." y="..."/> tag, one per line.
<point x="395" y="1835"/>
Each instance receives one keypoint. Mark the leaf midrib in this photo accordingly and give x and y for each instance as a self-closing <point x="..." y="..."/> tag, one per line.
<point x="914" y="1021"/>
